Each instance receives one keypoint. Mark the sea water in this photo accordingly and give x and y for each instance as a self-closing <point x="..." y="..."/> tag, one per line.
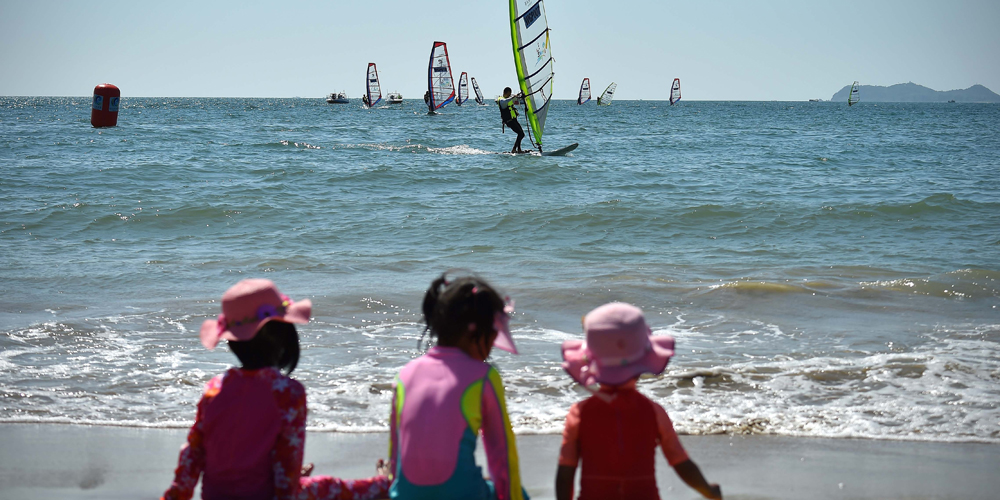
<point x="825" y="270"/>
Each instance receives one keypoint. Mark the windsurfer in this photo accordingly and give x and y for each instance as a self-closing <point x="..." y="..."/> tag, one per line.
<point x="364" y="100"/>
<point x="427" y="100"/>
<point x="508" y="114"/>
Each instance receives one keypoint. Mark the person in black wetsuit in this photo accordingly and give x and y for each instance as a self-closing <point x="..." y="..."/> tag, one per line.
<point x="427" y="101"/>
<point x="508" y="113"/>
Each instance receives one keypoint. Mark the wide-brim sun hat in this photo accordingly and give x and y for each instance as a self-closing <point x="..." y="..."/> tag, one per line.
<point x="247" y="306"/>
<point x="619" y="346"/>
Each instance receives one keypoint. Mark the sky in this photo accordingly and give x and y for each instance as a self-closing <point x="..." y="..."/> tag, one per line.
<point x="720" y="49"/>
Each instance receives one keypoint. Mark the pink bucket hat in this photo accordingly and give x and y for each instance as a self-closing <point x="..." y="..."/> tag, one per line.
<point x="619" y="346"/>
<point x="247" y="306"/>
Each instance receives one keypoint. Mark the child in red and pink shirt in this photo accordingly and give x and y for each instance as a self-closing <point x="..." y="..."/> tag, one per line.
<point x="249" y="433"/>
<point x="614" y="433"/>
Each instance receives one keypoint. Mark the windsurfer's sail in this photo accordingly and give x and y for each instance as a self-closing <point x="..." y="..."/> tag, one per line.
<point x="608" y="95"/>
<point x="440" y="86"/>
<point x="675" y="91"/>
<point x="853" y="97"/>
<point x="374" y="90"/>
<point x="463" y="89"/>
<point x="584" y="91"/>
<point x="529" y="32"/>
<point x="479" y="94"/>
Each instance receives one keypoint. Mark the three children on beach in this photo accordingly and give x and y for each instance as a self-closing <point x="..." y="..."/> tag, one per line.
<point x="249" y="433"/>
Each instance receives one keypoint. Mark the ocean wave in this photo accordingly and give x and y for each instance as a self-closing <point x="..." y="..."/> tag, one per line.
<point x="961" y="284"/>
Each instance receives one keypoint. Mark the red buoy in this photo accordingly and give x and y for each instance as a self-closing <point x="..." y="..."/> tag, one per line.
<point x="105" y="112"/>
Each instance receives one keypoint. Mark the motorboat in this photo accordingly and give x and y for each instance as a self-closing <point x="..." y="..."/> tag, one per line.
<point x="337" y="98"/>
<point x="395" y="98"/>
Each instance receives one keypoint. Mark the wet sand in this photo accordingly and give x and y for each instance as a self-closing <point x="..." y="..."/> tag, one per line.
<point x="47" y="461"/>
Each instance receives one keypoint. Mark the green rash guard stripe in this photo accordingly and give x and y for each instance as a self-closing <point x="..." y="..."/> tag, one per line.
<point x="400" y="396"/>
<point x="472" y="400"/>
<point x="513" y="466"/>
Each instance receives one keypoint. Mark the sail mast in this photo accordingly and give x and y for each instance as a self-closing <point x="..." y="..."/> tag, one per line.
<point x="463" y="89"/>
<point x="608" y="95"/>
<point x="439" y="82"/>
<point x="584" y="91"/>
<point x="479" y="94"/>
<point x="372" y="86"/>
<point x="529" y="34"/>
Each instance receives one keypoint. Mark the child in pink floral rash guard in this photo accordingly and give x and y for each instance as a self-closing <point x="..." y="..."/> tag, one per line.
<point x="249" y="433"/>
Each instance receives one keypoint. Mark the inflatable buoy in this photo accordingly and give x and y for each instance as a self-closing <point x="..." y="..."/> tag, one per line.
<point x="105" y="109"/>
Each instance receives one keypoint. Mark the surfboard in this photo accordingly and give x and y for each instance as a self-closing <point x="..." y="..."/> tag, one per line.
<point x="561" y="151"/>
<point x="532" y="152"/>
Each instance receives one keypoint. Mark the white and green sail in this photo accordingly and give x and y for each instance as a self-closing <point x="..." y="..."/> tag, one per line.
<point x="529" y="32"/>
<point x="853" y="97"/>
<point x="608" y="95"/>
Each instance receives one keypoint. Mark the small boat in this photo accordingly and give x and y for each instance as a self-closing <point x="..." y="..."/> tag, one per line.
<point x="395" y="98"/>
<point x="337" y="98"/>
<point x="952" y="100"/>
<point x="815" y="100"/>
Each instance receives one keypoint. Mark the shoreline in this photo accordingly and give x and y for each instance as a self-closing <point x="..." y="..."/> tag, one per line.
<point x="63" y="461"/>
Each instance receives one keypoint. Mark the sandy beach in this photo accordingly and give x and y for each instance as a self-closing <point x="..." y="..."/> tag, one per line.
<point x="77" y="462"/>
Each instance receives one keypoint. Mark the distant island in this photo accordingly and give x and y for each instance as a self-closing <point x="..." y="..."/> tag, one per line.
<point x="911" y="92"/>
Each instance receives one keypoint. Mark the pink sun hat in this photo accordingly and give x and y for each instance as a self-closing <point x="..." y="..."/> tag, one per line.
<point x="246" y="306"/>
<point x="618" y="346"/>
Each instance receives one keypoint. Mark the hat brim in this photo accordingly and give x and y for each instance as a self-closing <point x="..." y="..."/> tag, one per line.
<point x="504" y="340"/>
<point x="586" y="371"/>
<point x="297" y="312"/>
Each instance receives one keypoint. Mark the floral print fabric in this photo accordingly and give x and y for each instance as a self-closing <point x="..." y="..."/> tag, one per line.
<point x="286" y="453"/>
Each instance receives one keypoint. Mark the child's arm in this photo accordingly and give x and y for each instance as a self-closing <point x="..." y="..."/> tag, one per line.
<point x="691" y="474"/>
<point x="191" y="462"/>
<point x="569" y="455"/>
<point x="564" y="482"/>
<point x="498" y="440"/>
<point x="678" y="458"/>
<point x="290" y="445"/>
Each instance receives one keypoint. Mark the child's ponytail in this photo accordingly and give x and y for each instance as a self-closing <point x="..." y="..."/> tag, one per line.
<point x="430" y="304"/>
<point x="457" y="308"/>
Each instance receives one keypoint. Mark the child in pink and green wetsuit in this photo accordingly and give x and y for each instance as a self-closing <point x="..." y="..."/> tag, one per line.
<point x="449" y="396"/>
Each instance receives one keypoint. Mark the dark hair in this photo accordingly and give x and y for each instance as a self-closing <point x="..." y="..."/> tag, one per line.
<point x="507" y="89"/>
<point x="276" y="344"/>
<point x="451" y="306"/>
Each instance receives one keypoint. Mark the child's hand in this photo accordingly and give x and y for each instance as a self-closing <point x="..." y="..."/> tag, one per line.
<point x="715" y="492"/>
<point x="307" y="469"/>
<point x="381" y="468"/>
